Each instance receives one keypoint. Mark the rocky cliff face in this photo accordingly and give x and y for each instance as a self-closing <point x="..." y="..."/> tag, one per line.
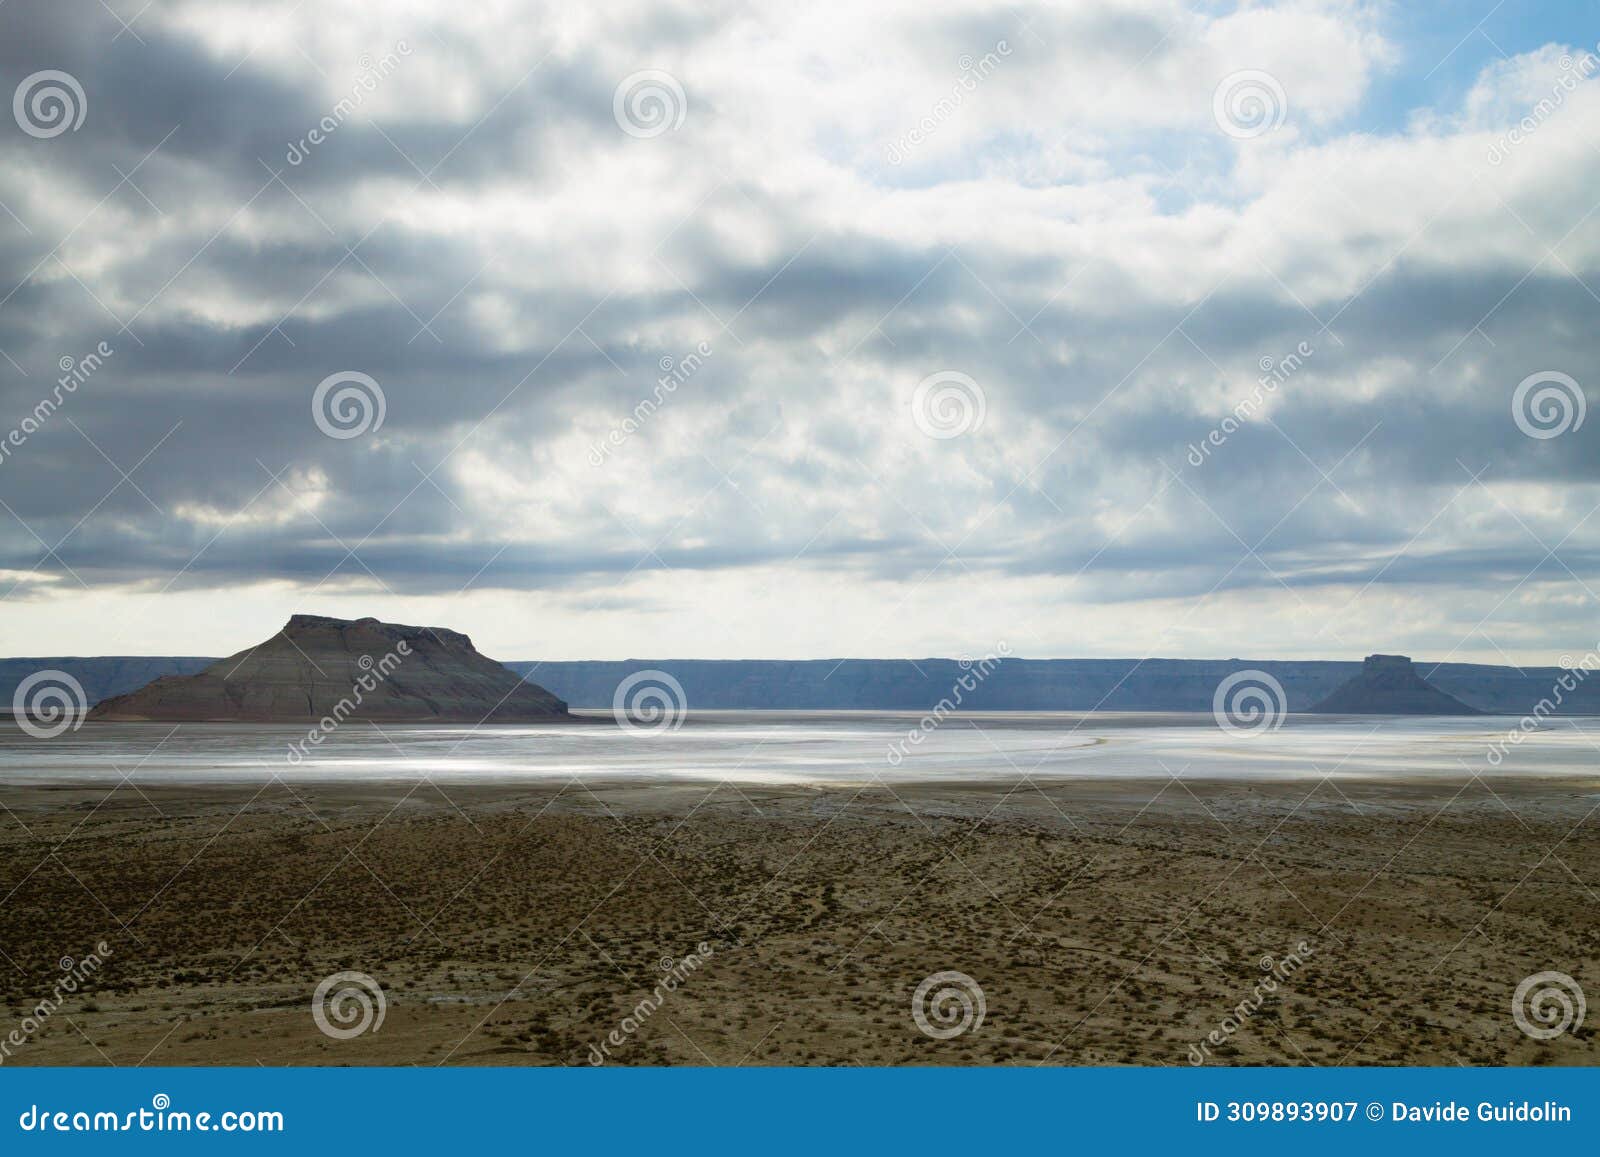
<point x="1390" y="685"/>
<point x="1014" y="684"/>
<point x="895" y="684"/>
<point x="319" y="667"/>
<point x="1028" y="684"/>
<point x="99" y="677"/>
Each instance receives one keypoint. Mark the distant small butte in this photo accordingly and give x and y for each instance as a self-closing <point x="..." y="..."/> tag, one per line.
<point x="1390" y="685"/>
<point x="318" y="668"/>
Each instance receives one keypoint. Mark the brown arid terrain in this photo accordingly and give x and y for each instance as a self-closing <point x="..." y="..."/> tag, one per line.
<point x="1104" y="923"/>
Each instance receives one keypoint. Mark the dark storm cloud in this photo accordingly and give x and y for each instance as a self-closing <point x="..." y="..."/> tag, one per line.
<point x="517" y="304"/>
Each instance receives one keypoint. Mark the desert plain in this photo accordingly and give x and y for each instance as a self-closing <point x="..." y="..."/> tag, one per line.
<point x="1100" y="923"/>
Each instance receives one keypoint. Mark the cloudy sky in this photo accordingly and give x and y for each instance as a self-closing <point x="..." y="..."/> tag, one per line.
<point x="963" y="313"/>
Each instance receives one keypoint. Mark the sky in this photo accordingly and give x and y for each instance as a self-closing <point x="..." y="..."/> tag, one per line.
<point x="1111" y="328"/>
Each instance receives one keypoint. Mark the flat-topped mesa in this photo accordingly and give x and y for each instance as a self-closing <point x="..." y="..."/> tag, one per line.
<point x="396" y="631"/>
<point x="1390" y="685"/>
<point x="318" y="667"/>
<point x="1379" y="666"/>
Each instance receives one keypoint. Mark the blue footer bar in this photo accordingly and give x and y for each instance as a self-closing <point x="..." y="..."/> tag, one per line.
<point x="796" y="1110"/>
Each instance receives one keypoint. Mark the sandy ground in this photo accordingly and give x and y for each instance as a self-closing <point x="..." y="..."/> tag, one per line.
<point x="1103" y="923"/>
